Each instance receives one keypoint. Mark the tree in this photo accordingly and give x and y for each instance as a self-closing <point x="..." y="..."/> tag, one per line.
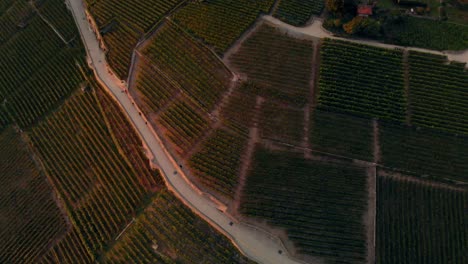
<point x="334" y="6"/>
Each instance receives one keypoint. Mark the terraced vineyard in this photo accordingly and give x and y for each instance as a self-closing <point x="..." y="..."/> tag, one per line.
<point x="320" y="205"/>
<point x="218" y="22"/>
<point x="418" y="222"/>
<point x="280" y="65"/>
<point x="281" y="123"/>
<point x="218" y="161"/>
<point x="428" y="33"/>
<point x="129" y="21"/>
<point x="343" y="135"/>
<point x="361" y="80"/>
<point x="240" y="110"/>
<point x="167" y="232"/>
<point x="37" y="70"/>
<point x="53" y="11"/>
<point x="101" y="188"/>
<point x="29" y="217"/>
<point x="438" y="93"/>
<point x="12" y="14"/>
<point x="424" y="151"/>
<point x="184" y="125"/>
<point x="298" y="12"/>
<point x="181" y="62"/>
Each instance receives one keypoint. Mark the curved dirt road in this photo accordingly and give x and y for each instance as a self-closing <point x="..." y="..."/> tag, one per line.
<point x="254" y="243"/>
<point x="316" y="30"/>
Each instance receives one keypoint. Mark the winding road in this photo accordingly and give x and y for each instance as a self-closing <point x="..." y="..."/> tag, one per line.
<point x="256" y="244"/>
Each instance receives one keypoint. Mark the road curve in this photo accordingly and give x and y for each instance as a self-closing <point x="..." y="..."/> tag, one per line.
<point x="254" y="243"/>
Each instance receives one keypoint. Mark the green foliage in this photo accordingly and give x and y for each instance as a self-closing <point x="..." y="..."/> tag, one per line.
<point x="427" y="33"/>
<point x="361" y="80"/>
<point x="438" y="93"/>
<point x="220" y="22"/>
<point x="218" y="162"/>
<point x="134" y="18"/>
<point x="168" y="232"/>
<point x="280" y="65"/>
<point x="343" y="135"/>
<point x="298" y="12"/>
<point x="420" y="223"/>
<point x="424" y="152"/>
<point x="185" y="64"/>
<point x="320" y="205"/>
<point x="29" y="216"/>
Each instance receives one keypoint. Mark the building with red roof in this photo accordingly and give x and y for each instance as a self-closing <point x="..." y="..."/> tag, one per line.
<point x="364" y="10"/>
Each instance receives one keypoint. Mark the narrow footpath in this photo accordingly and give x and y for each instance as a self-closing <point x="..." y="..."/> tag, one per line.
<point x="256" y="244"/>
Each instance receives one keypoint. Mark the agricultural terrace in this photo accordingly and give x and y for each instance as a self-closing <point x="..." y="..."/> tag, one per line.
<point x="343" y="135"/>
<point x="428" y="33"/>
<point x="280" y="65"/>
<point x="240" y="110"/>
<point x="123" y="23"/>
<point x="321" y="205"/>
<point x="38" y="70"/>
<point x="361" y="80"/>
<point x="87" y="166"/>
<point x="186" y="64"/>
<point x="54" y="12"/>
<point x="418" y="222"/>
<point x="168" y="232"/>
<point x="12" y="14"/>
<point x="184" y="124"/>
<point x="281" y="123"/>
<point x="29" y="216"/>
<point x="217" y="163"/>
<point x="438" y="93"/>
<point x="298" y="12"/>
<point x="424" y="151"/>
<point x="219" y="22"/>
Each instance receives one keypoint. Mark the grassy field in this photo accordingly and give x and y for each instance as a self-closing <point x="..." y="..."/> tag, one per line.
<point x="218" y="22"/>
<point x="343" y="135"/>
<point x="420" y="223"/>
<point x="361" y="80"/>
<point x="129" y="21"/>
<point x="438" y="93"/>
<point x="37" y="70"/>
<point x="298" y="12"/>
<point x="320" y="205"/>
<point x="29" y="217"/>
<point x="280" y="65"/>
<point x="424" y="151"/>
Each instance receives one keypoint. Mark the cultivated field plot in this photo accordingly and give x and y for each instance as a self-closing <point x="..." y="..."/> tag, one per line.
<point x="428" y="33"/>
<point x="85" y="161"/>
<point x="321" y="205"/>
<point x="37" y="70"/>
<point x="438" y="93"/>
<point x="29" y="216"/>
<point x="298" y="12"/>
<point x="424" y="151"/>
<point x="218" y="161"/>
<point x="241" y="108"/>
<point x="361" y="80"/>
<point x="219" y="22"/>
<point x="280" y="123"/>
<point x="184" y="124"/>
<point x="418" y="222"/>
<point x="12" y="14"/>
<point x="188" y="65"/>
<point x="280" y="65"/>
<point x="343" y="135"/>
<point x="129" y="21"/>
<point x="56" y="12"/>
<point x="167" y="232"/>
